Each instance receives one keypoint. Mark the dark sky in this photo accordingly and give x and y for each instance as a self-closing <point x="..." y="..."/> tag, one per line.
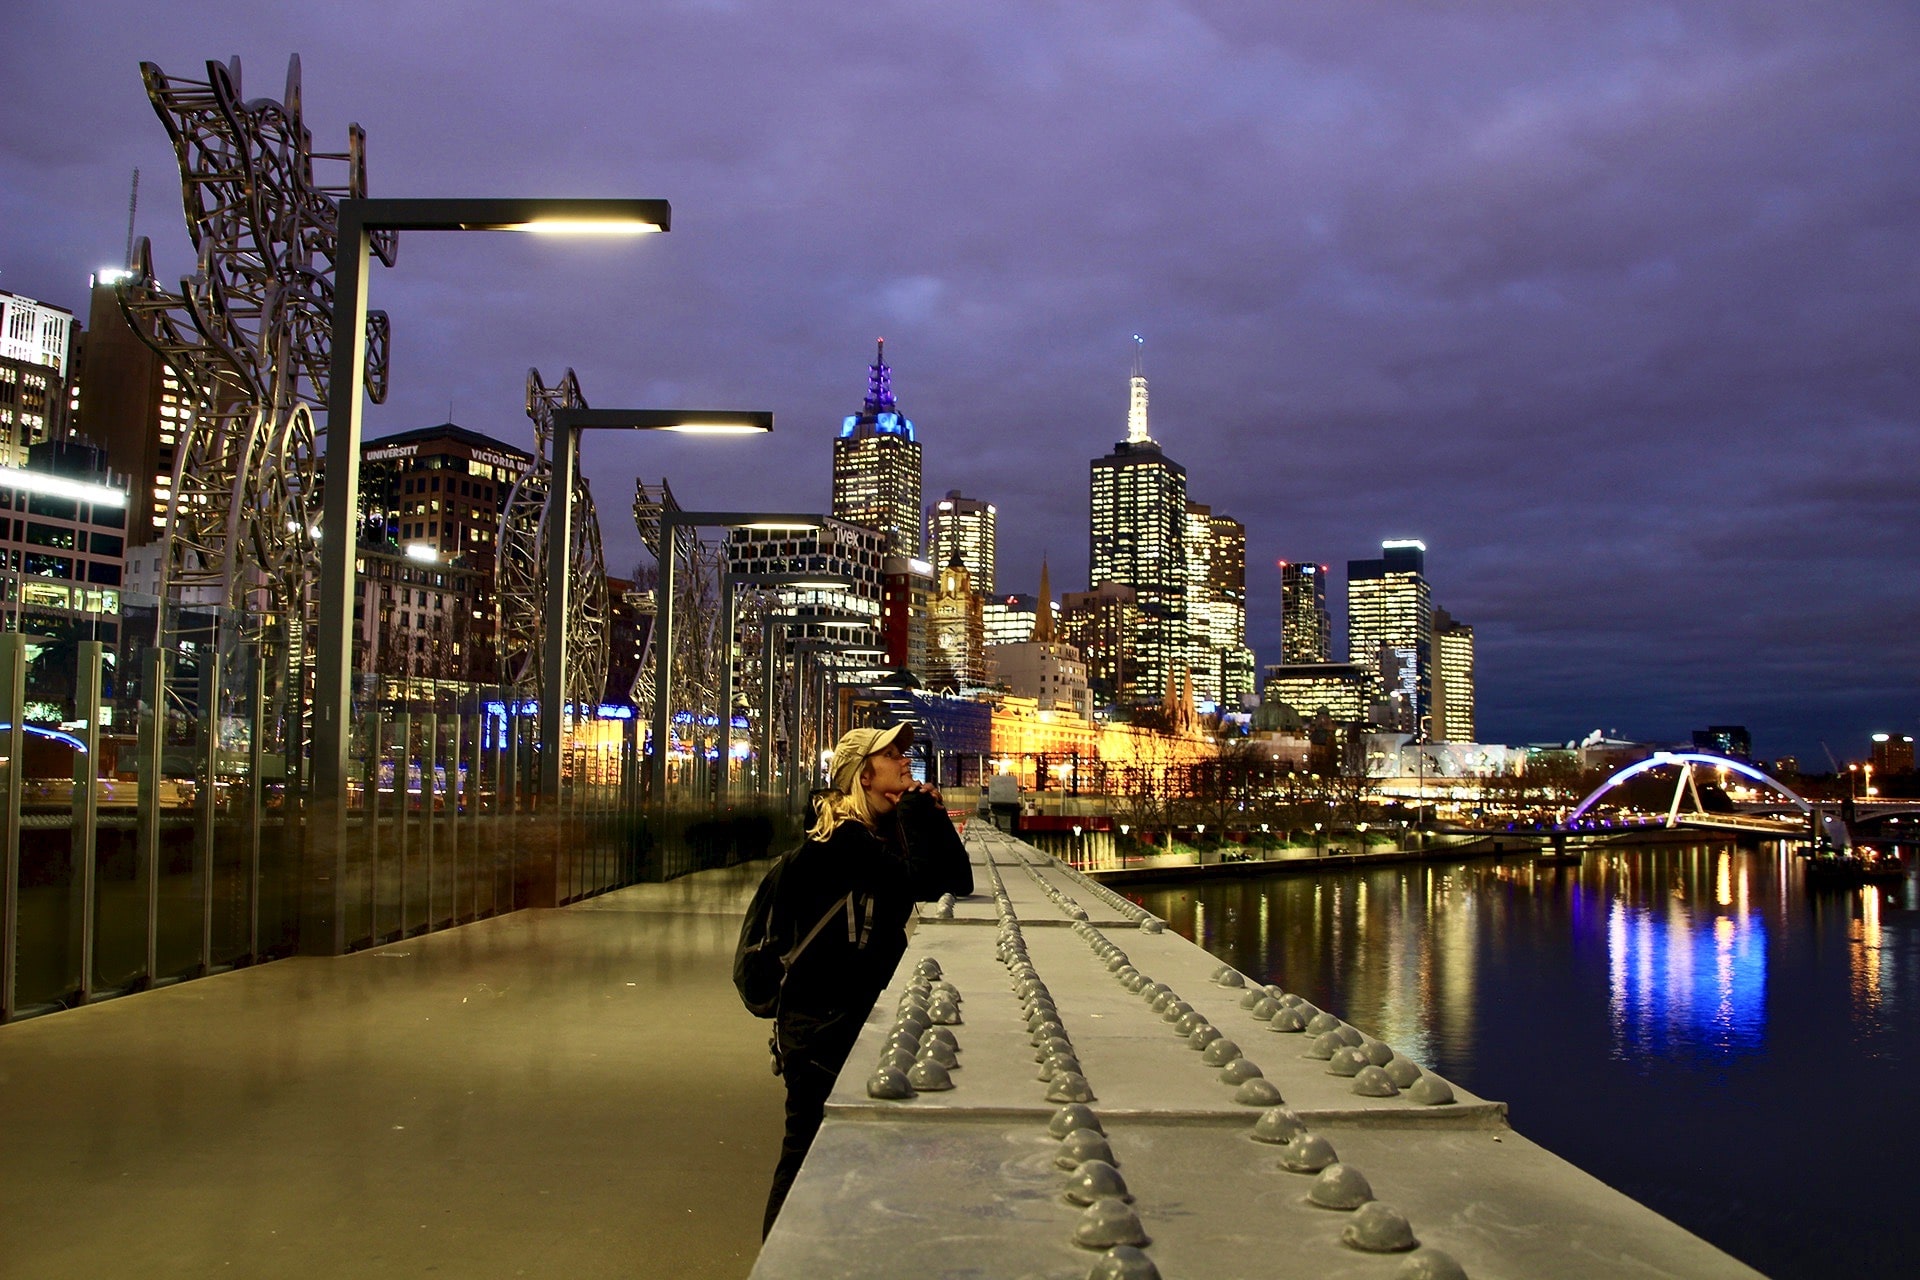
<point x="1613" y="304"/>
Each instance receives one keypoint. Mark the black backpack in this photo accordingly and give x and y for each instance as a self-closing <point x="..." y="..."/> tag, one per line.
<point x="763" y="955"/>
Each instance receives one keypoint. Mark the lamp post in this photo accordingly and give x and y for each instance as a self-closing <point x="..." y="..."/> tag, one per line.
<point x="359" y="221"/>
<point x="567" y="425"/>
<point x="769" y="654"/>
<point x="762" y="581"/>
<point x="671" y="522"/>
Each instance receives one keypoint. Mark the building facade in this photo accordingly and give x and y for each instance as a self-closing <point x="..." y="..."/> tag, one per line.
<point x="131" y="403"/>
<point x="431" y="501"/>
<point x="956" y="634"/>
<point x="876" y="465"/>
<point x="964" y="529"/>
<point x="1139" y="540"/>
<point x="1453" y="680"/>
<point x="1341" y="690"/>
<point x="62" y="542"/>
<point x="1101" y="625"/>
<point x="1306" y="628"/>
<point x="1390" y="626"/>
<point x="36" y="342"/>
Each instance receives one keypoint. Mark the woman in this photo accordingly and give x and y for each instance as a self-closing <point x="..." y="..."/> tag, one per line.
<point x="880" y="842"/>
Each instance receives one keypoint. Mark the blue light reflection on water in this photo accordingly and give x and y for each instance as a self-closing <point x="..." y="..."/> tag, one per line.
<point x="1692" y="1025"/>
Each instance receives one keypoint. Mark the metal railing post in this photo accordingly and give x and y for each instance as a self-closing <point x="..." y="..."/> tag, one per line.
<point x="86" y="802"/>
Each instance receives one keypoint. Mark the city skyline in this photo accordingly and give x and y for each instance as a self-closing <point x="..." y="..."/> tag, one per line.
<point x="1611" y="307"/>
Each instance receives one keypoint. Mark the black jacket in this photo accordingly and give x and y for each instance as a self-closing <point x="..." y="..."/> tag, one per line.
<point x="915" y="856"/>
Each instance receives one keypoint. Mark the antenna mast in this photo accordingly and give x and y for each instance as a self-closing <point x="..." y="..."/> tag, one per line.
<point x="133" y="203"/>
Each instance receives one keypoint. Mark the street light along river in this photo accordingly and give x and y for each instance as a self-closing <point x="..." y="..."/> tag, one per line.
<point x="1693" y="1025"/>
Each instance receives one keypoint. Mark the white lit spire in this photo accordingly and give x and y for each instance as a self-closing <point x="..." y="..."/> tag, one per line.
<point x="1137" y="405"/>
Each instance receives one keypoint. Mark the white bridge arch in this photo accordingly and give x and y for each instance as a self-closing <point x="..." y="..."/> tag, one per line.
<point x="1686" y="789"/>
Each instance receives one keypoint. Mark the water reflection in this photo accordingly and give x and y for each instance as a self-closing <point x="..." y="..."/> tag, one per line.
<point x="1679" y="992"/>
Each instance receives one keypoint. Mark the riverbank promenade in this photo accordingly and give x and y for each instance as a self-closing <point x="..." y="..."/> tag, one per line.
<point x="576" y="1091"/>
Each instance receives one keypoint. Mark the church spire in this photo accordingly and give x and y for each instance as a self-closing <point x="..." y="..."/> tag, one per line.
<point x="1043" y="613"/>
<point x="1137" y="403"/>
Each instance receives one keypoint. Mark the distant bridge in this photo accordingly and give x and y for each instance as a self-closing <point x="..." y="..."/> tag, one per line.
<point x="1686" y="809"/>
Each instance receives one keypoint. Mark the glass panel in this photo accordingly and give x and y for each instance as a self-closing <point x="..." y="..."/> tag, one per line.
<point x="47" y="937"/>
<point x="180" y="874"/>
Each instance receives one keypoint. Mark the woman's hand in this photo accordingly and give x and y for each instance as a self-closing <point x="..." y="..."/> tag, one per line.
<point x="926" y="789"/>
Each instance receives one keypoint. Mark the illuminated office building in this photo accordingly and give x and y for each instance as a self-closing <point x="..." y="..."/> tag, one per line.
<point x="133" y="405"/>
<point x="1452" y="679"/>
<point x="963" y="529"/>
<point x="1043" y="666"/>
<point x="1390" y="626"/>
<point x="1101" y="625"/>
<point x="62" y="541"/>
<point x="1139" y="540"/>
<point x="1218" y="657"/>
<point x="1341" y="689"/>
<point x="876" y="465"/>
<point x="1010" y="619"/>
<point x="35" y="341"/>
<point x="1306" y="629"/>
<point x="430" y="507"/>
<point x="905" y="599"/>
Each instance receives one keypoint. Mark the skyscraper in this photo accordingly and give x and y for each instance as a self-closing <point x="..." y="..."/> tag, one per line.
<point x="35" y="341"/>
<point x="1390" y="626"/>
<point x="1306" y="630"/>
<point x="876" y="465"/>
<point x="1138" y="540"/>
<point x="1216" y="579"/>
<point x="1453" y="678"/>
<point x="963" y="529"/>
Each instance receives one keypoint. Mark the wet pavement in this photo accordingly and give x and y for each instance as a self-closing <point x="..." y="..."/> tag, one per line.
<point x="570" y="1092"/>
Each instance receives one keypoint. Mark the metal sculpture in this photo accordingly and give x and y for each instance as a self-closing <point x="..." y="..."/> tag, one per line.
<point x="697" y="656"/>
<point x="249" y="334"/>
<point x="522" y="566"/>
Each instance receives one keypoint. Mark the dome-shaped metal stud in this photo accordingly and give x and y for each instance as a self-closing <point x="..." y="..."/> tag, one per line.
<point x="1231" y="978"/>
<point x="944" y="1012"/>
<point x="1402" y="1071"/>
<point x="1325" y="1045"/>
<point x="1372" y="1082"/>
<point x="1151" y="925"/>
<point x="1321" y="1023"/>
<point x="1055" y="1064"/>
<point x="1071" y="1117"/>
<point x="1379" y="1228"/>
<point x="888" y="1084"/>
<point x="1109" y="1221"/>
<point x="1070" y="1086"/>
<point x="1124" y="1262"/>
<point x="1287" y="1020"/>
<point x="1264" y="1007"/>
<point x="1189" y="1023"/>
<point x="1307" y="1153"/>
<point x="1278" y="1124"/>
<point x="1252" y="994"/>
<point x="927" y="968"/>
<point x="1429" y="1264"/>
<point x="929" y="1077"/>
<point x="1431" y="1091"/>
<point x="1239" y="1071"/>
<point x="1257" y="1092"/>
<point x="1094" y="1179"/>
<point x="1081" y="1145"/>
<point x="1340" y="1186"/>
<point x="1220" y="1052"/>
<point x="1378" y="1052"/>
<point x="934" y="1051"/>
<point x="1346" y="1061"/>
<point x="898" y="1060"/>
<point x="1203" y="1036"/>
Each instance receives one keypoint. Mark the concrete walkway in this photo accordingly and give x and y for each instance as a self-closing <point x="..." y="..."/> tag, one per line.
<point x="553" y="1093"/>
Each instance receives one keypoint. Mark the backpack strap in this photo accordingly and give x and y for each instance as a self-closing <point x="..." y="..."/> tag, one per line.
<point x="786" y="961"/>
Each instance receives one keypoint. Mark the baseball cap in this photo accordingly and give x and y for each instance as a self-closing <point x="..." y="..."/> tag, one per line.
<point x="857" y="744"/>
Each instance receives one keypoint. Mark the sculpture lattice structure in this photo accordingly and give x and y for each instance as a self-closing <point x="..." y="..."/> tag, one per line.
<point x="523" y="565"/>
<point x="249" y="334"/>
<point x="697" y="625"/>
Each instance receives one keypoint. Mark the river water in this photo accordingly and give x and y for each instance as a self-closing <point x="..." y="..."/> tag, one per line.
<point x="1696" y="1026"/>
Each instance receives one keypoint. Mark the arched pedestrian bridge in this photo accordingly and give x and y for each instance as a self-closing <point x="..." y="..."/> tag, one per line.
<point x="1687" y="810"/>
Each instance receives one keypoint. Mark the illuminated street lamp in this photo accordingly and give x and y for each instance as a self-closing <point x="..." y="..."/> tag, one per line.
<point x="359" y="222"/>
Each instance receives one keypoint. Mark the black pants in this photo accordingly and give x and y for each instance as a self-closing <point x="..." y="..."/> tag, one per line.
<point x="813" y="1048"/>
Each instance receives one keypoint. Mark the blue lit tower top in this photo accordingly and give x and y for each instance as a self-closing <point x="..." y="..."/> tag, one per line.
<point x="879" y="415"/>
<point x="876" y="465"/>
